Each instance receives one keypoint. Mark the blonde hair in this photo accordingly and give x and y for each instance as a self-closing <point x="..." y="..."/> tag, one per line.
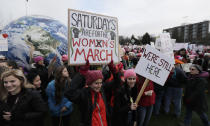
<point x="12" y="72"/>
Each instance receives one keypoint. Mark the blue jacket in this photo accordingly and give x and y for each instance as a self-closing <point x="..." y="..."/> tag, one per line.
<point x="55" y="109"/>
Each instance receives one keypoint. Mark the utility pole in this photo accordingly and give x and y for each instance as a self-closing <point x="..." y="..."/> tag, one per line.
<point x="184" y="33"/>
<point x="26" y="6"/>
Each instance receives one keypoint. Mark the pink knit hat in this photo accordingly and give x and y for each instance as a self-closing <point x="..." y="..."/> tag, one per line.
<point x="64" y="58"/>
<point x="93" y="75"/>
<point x="129" y="73"/>
<point x="38" y="58"/>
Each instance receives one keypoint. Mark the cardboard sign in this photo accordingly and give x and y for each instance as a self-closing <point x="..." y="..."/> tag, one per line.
<point x="173" y="41"/>
<point x="165" y="45"/>
<point x="179" y="46"/>
<point x="154" y="65"/>
<point x="152" y="44"/>
<point x="186" y="67"/>
<point x="192" y="46"/>
<point x="3" y="43"/>
<point x="158" y="43"/>
<point x="93" y="37"/>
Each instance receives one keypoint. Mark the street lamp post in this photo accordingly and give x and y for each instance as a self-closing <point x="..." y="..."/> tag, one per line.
<point x="184" y="33"/>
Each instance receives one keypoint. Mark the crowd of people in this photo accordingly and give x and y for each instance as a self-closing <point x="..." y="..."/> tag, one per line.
<point x="101" y="95"/>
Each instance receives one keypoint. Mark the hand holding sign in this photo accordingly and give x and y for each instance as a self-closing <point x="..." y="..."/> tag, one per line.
<point x="133" y="106"/>
<point x="84" y="69"/>
<point x="148" y="93"/>
<point x="112" y="67"/>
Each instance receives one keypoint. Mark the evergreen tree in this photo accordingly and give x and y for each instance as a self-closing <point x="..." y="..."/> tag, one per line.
<point x="146" y="39"/>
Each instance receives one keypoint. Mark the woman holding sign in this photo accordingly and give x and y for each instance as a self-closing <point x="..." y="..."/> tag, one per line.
<point x="124" y="106"/>
<point x="89" y="91"/>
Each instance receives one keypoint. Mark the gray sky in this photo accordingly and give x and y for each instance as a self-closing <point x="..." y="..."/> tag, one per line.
<point x="135" y="16"/>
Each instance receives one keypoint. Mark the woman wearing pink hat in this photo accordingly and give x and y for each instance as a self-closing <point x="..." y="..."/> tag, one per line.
<point x="124" y="108"/>
<point x="42" y="71"/>
<point x="88" y="92"/>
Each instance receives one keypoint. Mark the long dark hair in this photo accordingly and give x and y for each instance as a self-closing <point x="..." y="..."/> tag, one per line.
<point x="60" y="83"/>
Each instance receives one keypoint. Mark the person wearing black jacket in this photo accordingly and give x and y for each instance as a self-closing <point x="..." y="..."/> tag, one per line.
<point x="89" y="93"/>
<point x="34" y="79"/>
<point x="124" y="113"/>
<point x="19" y="106"/>
<point x="195" y="97"/>
<point x="42" y="71"/>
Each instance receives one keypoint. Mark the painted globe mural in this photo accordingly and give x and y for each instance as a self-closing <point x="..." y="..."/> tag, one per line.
<point x="30" y="36"/>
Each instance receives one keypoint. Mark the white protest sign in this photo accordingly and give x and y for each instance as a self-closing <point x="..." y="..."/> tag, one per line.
<point x="179" y="46"/>
<point x="165" y="45"/>
<point x="192" y="47"/>
<point x="93" y="37"/>
<point x="173" y="41"/>
<point x="154" y="65"/>
<point x="3" y="43"/>
<point x="186" y="67"/>
<point x="200" y="47"/>
<point x="158" y="43"/>
<point x="152" y="44"/>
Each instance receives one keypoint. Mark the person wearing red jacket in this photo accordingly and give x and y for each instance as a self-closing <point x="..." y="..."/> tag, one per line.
<point x="145" y="105"/>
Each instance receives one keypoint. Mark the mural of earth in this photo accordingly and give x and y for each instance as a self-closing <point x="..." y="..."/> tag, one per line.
<point x="30" y="36"/>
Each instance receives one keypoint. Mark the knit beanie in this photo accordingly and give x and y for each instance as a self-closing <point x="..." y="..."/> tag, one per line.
<point x="129" y="73"/>
<point x="38" y="58"/>
<point x="93" y="75"/>
<point x="198" y="67"/>
<point x="64" y="57"/>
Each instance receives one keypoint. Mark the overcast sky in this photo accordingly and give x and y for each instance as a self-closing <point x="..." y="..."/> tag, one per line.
<point x="135" y="16"/>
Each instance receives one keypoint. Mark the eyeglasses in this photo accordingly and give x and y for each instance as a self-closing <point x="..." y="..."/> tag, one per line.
<point x="98" y="83"/>
<point x="192" y="69"/>
<point x="131" y="78"/>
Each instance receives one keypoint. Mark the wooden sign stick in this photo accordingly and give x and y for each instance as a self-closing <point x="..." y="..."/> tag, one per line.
<point x="141" y="91"/>
<point x="140" y="94"/>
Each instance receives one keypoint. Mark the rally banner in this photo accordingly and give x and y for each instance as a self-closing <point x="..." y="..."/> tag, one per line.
<point x="92" y="37"/>
<point x="154" y="65"/>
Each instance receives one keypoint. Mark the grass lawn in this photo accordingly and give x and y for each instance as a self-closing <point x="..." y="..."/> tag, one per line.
<point x="161" y="120"/>
<point x="169" y="120"/>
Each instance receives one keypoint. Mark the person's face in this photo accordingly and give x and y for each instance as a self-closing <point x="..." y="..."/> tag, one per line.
<point x="65" y="62"/>
<point x="3" y="64"/>
<point x="41" y="62"/>
<point x="96" y="86"/>
<point x="37" y="82"/>
<point x="182" y="52"/>
<point x="65" y="73"/>
<point x="12" y="84"/>
<point x="131" y="81"/>
<point x="193" y="71"/>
